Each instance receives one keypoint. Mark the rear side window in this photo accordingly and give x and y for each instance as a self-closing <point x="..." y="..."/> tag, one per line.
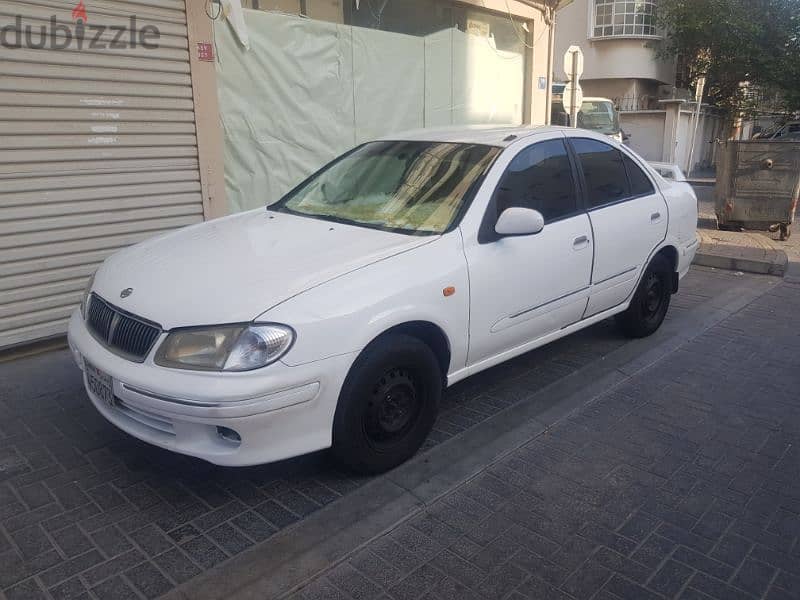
<point x="539" y="177"/>
<point x="603" y="170"/>
<point x="640" y="182"/>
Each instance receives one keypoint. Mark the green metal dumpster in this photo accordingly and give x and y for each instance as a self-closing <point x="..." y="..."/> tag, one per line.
<point x="758" y="185"/>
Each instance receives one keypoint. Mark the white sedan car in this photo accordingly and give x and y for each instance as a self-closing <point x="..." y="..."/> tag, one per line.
<point x="336" y="316"/>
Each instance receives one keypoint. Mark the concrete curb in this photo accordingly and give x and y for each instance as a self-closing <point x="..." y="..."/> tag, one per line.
<point x="289" y="559"/>
<point x="740" y="251"/>
<point x="746" y="265"/>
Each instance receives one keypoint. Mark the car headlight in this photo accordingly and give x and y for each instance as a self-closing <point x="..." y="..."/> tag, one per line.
<point x="225" y="348"/>
<point x="85" y="297"/>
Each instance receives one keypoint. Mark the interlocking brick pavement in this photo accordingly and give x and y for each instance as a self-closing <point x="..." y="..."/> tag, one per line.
<point x="683" y="482"/>
<point x="89" y="512"/>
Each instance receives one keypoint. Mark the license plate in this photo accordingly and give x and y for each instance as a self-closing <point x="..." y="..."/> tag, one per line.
<point x="99" y="383"/>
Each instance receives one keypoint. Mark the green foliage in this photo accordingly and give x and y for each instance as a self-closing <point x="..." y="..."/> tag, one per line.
<point x="756" y="42"/>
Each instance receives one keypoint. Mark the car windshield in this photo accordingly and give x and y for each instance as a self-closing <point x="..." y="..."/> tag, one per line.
<point x="598" y="116"/>
<point x="409" y="187"/>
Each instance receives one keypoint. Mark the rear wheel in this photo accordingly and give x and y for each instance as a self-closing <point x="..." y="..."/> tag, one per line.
<point x="387" y="405"/>
<point x="650" y="302"/>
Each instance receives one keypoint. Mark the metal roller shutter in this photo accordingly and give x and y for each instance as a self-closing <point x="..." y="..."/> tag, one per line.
<point x="97" y="151"/>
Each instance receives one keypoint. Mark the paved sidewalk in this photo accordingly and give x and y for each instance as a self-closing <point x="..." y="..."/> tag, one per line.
<point x="749" y="251"/>
<point x="682" y="482"/>
<point x="746" y="251"/>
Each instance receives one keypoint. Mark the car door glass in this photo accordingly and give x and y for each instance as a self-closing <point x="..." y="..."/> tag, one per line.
<point x="603" y="170"/>
<point x="539" y="177"/>
<point x="640" y="182"/>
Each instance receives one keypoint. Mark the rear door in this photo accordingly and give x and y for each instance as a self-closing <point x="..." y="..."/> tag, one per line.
<point x="628" y="216"/>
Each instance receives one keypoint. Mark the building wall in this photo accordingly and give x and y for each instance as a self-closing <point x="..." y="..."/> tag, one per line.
<point x="646" y="129"/>
<point x="664" y="135"/>
<point x="608" y="88"/>
<point x="312" y="89"/>
<point x="539" y="69"/>
<point x="607" y="58"/>
<point x="102" y="147"/>
<point x="425" y="17"/>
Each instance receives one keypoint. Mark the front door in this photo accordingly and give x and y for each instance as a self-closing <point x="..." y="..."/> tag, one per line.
<point x="629" y="219"/>
<point x="524" y="287"/>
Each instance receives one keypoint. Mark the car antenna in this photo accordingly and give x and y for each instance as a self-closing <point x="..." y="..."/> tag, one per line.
<point x="509" y="138"/>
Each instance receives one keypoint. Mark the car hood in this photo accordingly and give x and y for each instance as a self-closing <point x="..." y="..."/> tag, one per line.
<point x="233" y="269"/>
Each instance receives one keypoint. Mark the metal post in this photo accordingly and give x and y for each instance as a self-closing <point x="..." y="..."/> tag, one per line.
<point x="573" y="113"/>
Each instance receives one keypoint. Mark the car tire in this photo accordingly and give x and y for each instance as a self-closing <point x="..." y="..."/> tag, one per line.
<point x="387" y="405"/>
<point x="650" y="302"/>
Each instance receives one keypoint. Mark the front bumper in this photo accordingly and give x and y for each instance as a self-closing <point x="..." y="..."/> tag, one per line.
<point x="278" y="411"/>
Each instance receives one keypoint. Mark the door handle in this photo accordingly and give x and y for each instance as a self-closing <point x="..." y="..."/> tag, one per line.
<point x="581" y="242"/>
<point x="655" y="217"/>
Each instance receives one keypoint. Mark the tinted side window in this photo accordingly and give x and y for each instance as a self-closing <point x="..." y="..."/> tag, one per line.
<point x="640" y="182"/>
<point x="606" y="180"/>
<point x="539" y="177"/>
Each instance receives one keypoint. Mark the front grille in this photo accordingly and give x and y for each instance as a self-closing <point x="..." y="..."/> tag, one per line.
<point x="119" y="331"/>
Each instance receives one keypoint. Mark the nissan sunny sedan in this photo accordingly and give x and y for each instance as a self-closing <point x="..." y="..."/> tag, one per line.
<point x="337" y="316"/>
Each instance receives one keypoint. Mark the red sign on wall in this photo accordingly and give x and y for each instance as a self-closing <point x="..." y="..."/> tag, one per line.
<point x="79" y="12"/>
<point x="205" y="51"/>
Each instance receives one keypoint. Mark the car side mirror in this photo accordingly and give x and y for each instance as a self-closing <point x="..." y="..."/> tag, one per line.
<point x="519" y="221"/>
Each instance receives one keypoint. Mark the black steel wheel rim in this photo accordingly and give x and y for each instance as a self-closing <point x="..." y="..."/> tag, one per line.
<point x="393" y="408"/>
<point x="653" y="297"/>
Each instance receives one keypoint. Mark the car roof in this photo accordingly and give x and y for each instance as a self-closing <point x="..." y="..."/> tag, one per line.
<point x="491" y="135"/>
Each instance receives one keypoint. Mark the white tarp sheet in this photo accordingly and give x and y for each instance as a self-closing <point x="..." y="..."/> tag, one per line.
<point x="308" y="90"/>
<point x="389" y="72"/>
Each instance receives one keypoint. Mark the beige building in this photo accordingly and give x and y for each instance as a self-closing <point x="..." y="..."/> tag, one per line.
<point x="108" y="142"/>
<point x="101" y="144"/>
<point x="619" y="40"/>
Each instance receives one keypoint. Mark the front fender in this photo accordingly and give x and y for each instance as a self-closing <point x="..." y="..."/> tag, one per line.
<point x="344" y="315"/>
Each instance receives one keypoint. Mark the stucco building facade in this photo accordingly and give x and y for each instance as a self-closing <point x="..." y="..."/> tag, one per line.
<point x="620" y="42"/>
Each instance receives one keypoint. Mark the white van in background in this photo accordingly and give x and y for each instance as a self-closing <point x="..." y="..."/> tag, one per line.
<point x="596" y="114"/>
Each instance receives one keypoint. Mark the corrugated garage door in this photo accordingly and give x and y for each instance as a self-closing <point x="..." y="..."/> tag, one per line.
<point x="97" y="151"/>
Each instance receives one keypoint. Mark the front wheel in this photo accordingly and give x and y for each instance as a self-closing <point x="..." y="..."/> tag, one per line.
<point x="387" y="405"/>
<point x="650" y="302"/>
